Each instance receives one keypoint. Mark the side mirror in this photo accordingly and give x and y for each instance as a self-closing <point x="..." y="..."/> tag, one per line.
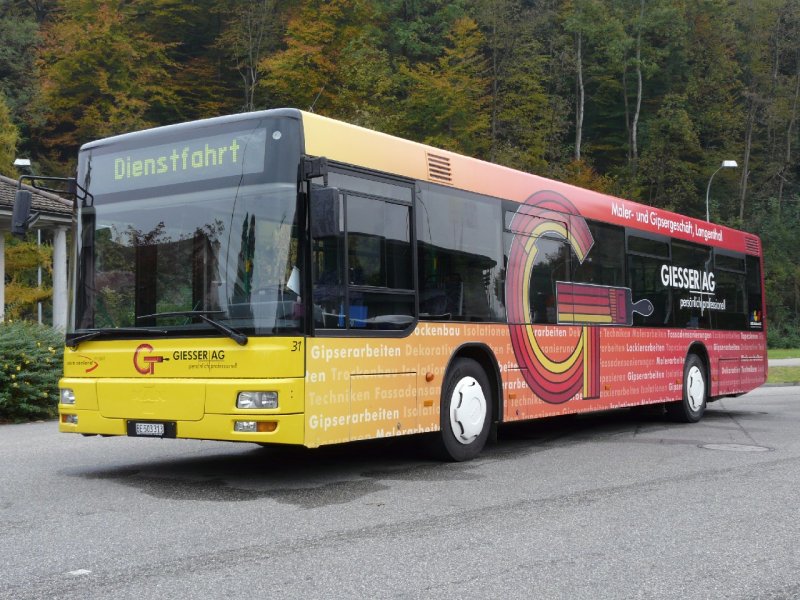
<point x="325" y="212"/>
<point x="21" y="219"/>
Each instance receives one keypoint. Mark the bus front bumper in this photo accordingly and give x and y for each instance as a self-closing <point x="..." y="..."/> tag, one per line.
<point x="195" y="409"/>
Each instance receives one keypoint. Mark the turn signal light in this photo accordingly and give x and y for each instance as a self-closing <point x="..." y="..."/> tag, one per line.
<point x="255" y="426"/>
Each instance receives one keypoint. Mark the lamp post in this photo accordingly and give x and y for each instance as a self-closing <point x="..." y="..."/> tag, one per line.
<point x="726" y="164"/>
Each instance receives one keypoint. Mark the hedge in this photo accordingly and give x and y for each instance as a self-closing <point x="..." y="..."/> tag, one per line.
<point x="31" y="358"/>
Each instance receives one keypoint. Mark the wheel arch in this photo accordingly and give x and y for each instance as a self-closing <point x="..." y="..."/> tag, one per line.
<point x="483" y="355"/>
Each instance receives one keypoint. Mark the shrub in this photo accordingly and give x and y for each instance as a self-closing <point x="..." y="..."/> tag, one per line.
<point x="30" y="366"/>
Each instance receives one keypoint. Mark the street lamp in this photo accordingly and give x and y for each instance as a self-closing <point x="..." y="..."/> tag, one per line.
<point x="24" y="164"/>
<point x="726" y="164"/>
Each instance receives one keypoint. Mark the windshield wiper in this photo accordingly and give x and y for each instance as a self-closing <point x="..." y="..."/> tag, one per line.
<point x="93" y="333"/>
<point x="236" y="336"/>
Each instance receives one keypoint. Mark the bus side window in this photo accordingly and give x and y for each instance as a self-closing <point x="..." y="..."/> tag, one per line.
<point x="755" y="314"/>
<point x="647" y="254"/>
<point x="697" y="259"/>
<point x="730" y="289"/>
<point x="605" y="262"/>
<point x="379" y="263"/>
<point x="362" y="269"/>
<point x="327" y="273"/>
<point x="459" y="255"/>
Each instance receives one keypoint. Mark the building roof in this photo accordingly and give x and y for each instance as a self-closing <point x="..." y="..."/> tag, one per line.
<point x="44" y="202"/>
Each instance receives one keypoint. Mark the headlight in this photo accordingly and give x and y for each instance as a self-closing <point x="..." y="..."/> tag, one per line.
<point x="257" y="400"/>
<point x="67" y="396"/>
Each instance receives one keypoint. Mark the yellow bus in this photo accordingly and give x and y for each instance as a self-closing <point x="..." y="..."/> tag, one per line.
<point x="279" y="277"/>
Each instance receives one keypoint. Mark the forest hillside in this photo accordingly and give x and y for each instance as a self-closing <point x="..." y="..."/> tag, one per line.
<point x="640" y="98"/>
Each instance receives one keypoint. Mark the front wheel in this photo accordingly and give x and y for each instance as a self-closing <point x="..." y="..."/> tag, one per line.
<point x="466" y="411"/>
<point x="692" y="405"/>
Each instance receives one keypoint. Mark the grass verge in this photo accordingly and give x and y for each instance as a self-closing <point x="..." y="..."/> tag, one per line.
<point x="783" y="375"/>
<point x="783" y="353"/>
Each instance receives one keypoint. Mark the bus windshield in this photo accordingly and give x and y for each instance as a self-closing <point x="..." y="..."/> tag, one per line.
<point x="183" y="259"/>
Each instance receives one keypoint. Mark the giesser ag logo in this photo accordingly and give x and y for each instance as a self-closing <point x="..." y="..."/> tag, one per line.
<point x="144" y="360"/>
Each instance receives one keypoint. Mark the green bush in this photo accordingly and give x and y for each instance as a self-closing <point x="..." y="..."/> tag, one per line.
<point x="783" y="333"/>
<point x="30" y="366"/>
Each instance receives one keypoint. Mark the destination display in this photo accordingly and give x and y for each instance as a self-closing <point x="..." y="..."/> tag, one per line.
<point x="200" y="159"/>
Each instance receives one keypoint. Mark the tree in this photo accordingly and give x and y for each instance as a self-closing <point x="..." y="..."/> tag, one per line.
<point x="644" y="51"/>
<point x="448" y="101"/>
<point x="333" y="63"/>
<point x="669" y="164"/>
<point x="517" y="103"/>
<point x="22" y="292"/>
<point x="305" y="72"/>
<point x="9" y="135"/>
<point x="756" y="56"/>
<point x="251" y="30"/>
<point x="101" y="74"/>
<point x="417" y="29"/>
<point x="591" y="26"/>
<point x="713" y="90"/>
<point x="198" y="82"/>
<point x="18" y="40"/>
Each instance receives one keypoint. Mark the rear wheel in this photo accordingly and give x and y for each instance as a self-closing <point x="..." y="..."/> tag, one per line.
<point x="692" y="405"/>
<point x="466" y="411"/>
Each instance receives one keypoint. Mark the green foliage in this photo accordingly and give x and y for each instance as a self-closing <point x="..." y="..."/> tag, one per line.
<point x="640" y="98"/>
<point x="784" y="375"/>
<point x="8" y="138"/>
<point x="669" y="164"/>
<point x="252" y="30"/>
<point x="22" y="292"/>
<point x="446" y="106"/>
<point x="310" y="71"/>
<point x="780" y="230"/>
<point x="416" y="29"/>
<point x="30" y="366"/>
<point x="102" y="74"/>
<point x="19" y="36"/>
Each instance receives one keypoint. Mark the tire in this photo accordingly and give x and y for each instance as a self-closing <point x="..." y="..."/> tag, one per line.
<point x="692" y="406"/>
<point x="466" y="411"/>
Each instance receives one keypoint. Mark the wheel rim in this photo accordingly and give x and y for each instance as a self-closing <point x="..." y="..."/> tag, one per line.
<point x="695" y="388"/>
<point x="467" y="410"/>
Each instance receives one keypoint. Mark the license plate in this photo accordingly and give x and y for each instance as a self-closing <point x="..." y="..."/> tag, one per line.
<point x="151" y="429"/>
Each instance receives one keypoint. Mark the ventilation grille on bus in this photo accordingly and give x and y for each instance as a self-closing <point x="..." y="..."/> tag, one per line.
<point x="752" y="245"/>
<point x="439" y="169"/>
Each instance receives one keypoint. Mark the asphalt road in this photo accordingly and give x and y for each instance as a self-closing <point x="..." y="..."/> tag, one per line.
<point x="608" y="506"/>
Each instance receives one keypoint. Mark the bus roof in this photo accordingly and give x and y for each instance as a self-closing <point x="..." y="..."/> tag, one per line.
<point x="370" y="149"/>
<point x="188" y="126"/>
<point x="358" y="146"/>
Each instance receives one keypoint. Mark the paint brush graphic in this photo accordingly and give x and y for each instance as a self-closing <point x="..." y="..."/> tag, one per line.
<point x="589" y="304"/>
